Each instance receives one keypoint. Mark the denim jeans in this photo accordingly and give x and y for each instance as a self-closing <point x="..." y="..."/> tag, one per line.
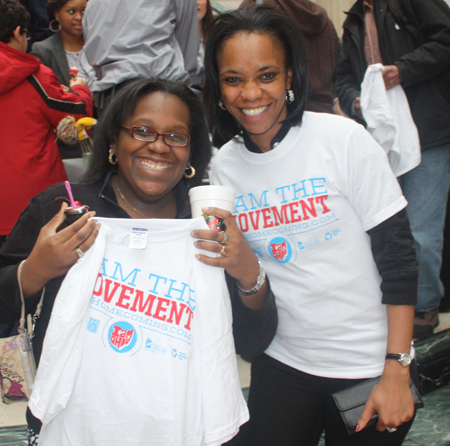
<point x="426" y="189"/>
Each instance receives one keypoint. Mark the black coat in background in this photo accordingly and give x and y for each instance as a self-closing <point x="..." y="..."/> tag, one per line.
<point x="414" y="35"/>
<point x="38" y="24"/>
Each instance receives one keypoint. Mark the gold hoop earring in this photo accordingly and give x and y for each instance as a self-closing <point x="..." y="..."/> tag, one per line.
<point x="190" y="175"/>
<point x="112" y="158"/>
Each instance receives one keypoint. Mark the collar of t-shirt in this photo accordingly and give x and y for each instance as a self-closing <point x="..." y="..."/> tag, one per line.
<point x="181" y="196"/>
<point x="252" y="147"/>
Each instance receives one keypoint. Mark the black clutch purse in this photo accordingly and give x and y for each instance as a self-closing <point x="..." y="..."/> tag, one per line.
<point x="351" y="402"/>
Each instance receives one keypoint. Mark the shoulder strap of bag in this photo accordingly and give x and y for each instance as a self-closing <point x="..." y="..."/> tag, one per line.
<point x="22" y="328"/>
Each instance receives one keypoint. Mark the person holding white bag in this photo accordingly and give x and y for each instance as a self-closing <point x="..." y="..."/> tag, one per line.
<point x="411" y="38"/>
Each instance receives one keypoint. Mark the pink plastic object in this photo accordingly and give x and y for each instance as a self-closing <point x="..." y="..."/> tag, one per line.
<point x="69" y="191"/>
<point x="73" y="71"/>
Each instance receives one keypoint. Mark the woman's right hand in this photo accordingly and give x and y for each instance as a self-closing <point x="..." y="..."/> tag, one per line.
<point x="54" y="253"/>
<point x="236" y="256"/>
<point x="77" y="81"/>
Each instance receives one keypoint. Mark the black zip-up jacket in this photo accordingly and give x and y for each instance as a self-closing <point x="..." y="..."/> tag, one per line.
<point x="414" y="35"/>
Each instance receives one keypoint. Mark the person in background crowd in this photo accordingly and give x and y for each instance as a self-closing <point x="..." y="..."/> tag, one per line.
<point x="318" y="203"/>
<point x="321" y="44"/>
<point x="205" y="17"/>
<point x="32" y="103"/>
<point x="412" y="39"/>
<point x="141" y="38"/>
<point x="66" y="47"/>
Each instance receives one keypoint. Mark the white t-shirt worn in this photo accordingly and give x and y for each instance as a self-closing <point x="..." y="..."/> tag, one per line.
<point x="139" y="349"/>
<point x="304" y="208"/>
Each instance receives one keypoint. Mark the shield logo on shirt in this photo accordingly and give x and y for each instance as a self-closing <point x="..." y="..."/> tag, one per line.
<point x="279" y="250"/>
<point x="121" y="338"/>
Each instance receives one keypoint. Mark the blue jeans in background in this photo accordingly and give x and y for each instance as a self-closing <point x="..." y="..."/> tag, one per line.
<point x="426" y="189"/>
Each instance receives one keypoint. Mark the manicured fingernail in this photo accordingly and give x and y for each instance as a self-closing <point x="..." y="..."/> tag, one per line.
<point x="356" y="428"/>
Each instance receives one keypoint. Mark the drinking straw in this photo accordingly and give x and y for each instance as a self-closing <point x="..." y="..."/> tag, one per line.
<point x="69" y="191"/>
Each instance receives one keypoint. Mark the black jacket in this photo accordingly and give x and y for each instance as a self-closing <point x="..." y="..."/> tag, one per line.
<point x="414" y="35"/>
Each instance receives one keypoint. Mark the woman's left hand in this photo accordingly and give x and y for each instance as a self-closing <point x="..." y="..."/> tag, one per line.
<point x="391" y="399"/>
<point x="236" y="257"/>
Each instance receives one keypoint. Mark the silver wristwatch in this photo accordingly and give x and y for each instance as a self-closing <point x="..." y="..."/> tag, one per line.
<point x="403" y="358"/>
<point x="259" y="283"/>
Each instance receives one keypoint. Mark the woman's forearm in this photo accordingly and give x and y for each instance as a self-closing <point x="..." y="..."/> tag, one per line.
<point x="400" y="330"/>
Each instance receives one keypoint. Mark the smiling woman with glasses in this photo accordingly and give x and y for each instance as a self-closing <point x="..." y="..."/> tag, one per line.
<point x="150" y="146"/>
<point x="142" y="133"/>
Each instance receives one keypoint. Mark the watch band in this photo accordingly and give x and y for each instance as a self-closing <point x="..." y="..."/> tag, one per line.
<point x="259" y="282"/>
<point x="396" y="356"/>
<point x="403" y="358"/>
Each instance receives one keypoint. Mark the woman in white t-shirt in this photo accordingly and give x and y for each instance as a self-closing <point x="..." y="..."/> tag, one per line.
<point x="319" y="205"/>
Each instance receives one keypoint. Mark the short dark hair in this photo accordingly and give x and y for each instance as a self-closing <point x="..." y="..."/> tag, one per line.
<point x="53" y="6"/>
<point x="123" y="106"/>
<point x="262" y="20"/>
<point x="12" y="15"/>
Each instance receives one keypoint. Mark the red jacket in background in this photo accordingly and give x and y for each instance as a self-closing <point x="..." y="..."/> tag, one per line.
<point x="32" y="103"/>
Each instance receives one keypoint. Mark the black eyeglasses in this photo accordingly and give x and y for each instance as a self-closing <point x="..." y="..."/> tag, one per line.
<point x="28" y="34"/>
<point x="142" y="133"/>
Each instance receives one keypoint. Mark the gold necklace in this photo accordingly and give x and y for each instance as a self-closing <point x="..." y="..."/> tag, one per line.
<point x="126" y="201"/>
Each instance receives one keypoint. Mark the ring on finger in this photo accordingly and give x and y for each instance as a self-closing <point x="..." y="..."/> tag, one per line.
<point x="391" y="430"/>
<point x="79" y="252"/>
<point x="222" y="251"/>
<point x="225" y="238"/>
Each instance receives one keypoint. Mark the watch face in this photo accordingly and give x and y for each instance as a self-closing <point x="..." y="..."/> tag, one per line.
<point x="405" y="359"/>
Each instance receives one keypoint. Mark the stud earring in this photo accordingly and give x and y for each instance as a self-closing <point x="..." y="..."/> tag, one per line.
<point x="290" y="96"/>
<point x="112" y="158"/>
<point x="221" y="104"/>
<point x="189" y="175"/>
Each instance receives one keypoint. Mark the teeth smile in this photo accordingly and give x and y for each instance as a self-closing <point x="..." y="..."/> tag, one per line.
<point x="254" y="111"/>
<point x="154" y="166"/>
